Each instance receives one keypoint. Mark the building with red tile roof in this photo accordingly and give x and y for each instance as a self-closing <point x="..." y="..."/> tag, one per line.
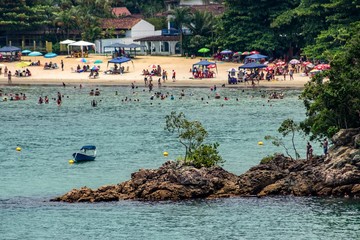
<point x="120" y="11"/>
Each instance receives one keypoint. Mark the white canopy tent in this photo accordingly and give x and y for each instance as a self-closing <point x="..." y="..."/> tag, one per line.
<point x="67" y="42"/>
<point x="82" y="44"/>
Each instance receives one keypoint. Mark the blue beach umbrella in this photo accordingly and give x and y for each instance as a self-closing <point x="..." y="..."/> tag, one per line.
<point x="35" y="54"/>
<point x="25" y="51"/>
<point x="98" y="61"/>
<point x="50" y="55"/>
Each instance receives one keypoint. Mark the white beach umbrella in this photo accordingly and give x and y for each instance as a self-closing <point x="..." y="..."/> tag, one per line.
<point x="82" y="44"/>
<point x="67" y="42"/>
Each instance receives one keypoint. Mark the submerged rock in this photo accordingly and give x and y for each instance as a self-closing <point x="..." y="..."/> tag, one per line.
<point x="338" y="175"/>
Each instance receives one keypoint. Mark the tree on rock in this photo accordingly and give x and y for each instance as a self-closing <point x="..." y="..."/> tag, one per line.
<point x="191" y="135"/>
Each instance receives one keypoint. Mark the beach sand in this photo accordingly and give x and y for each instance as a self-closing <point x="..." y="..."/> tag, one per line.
<point x="181" y="65"/>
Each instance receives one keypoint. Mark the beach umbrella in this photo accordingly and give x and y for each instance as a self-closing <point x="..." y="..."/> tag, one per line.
<point x="23" y="64"/>
<point x="314" y="71"/>
<point x="83" y="60"/>
<point x="237" y="54"/>
<point x="256" y="56"/>
<point x="254" y="52"/>
<point x="35" y="54"/>
<point x="281" y="63"/>
<point x="232" y="70"/>
<point x="253" y="65"/>
<point x="9" y="49"/>
<point x="203" y="50"/>
<point x="50" y="55"/>
<point x="152" y="66"/>
<point x="310" y="65"/>
<point x="98" y="61"/>
<point x="246" y="53"/>
<point x="211" y="66"/>
<point x="226" y="51"/>
<point x="25" y="51"/>
<point x="294" y="61"/>
<point x="322" y="66"/>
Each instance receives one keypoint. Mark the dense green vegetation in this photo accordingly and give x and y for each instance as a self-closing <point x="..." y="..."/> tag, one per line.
<point x="332" y="99"/>
<point x="316" y="28"/>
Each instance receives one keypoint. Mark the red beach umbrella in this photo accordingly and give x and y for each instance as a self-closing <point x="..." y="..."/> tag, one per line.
<point x="153" y="66"/>
<point x="281" y="63"/>
<point x="322" y="66"/>
<point x="269" y="68"/>
<point x="246" y="53"/>
<point x="254" y="52"/>
<point x="211" y="66"/>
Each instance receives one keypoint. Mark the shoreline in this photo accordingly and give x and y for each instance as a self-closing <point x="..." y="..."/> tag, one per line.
<point x="41" y="84"/>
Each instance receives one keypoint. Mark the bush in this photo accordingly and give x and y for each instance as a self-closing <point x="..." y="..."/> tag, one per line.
<point x="206" y="156"/>
<point x="267" y="159"/>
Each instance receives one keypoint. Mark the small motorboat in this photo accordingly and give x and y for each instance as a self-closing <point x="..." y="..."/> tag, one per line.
<point x="86" y="153"/>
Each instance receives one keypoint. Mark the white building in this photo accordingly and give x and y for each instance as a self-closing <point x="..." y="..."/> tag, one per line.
<point x="126" y="30"/>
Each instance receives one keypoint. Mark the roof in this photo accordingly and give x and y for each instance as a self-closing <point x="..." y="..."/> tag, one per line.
<point x="120" y="11"/>
<point x="204" y="63"/>
<point x="215" y="9"/>
<point x="253" y="65"/>
<point x="125" y="23"/>
<point x="9" y="49"/>
<point x="88" y="147"/>
<point x="159" y="38"/>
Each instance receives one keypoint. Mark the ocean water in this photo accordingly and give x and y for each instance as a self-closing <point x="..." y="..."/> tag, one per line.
<point x="130" y="135"/>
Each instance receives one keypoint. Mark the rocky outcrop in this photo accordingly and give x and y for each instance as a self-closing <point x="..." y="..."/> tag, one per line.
<point x="172" y="181"/>
<point x="338" y="175"/>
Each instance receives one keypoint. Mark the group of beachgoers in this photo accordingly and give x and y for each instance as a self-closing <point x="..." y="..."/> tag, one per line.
<point x="116" y="70"/>
<point x="12" y="96"/>
<point x="45" y="99"/>
<point x="50" y="65"/>
<point x="23" y="73"/>
<point x="201" y="73"/>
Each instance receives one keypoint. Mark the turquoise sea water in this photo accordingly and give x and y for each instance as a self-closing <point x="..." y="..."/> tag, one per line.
<point x="130" y="135"/>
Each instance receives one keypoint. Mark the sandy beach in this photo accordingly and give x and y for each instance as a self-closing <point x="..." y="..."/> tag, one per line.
<point x="181" y="65"/>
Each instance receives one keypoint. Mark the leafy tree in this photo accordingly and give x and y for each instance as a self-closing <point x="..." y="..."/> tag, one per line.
<point x="191" y="135"/>
<point x="158" y="22"/>
<point x="334" y="104"/>
<point x="287" y="127"/>
<point x="24" y="15"/>
<point x="245" y="25"/>
<point x="181" y="17"/>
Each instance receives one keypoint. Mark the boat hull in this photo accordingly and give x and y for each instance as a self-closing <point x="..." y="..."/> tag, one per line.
<point x="79" y="157"/>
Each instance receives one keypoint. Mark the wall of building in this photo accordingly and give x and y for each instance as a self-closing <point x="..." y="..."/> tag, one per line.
<point x="143" y="29"/>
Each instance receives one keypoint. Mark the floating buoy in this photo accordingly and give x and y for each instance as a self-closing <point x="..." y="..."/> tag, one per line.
<point x="166" y="154"/>
<point x="18" y="149"/>
<point x="71" y="161"/>
<point x="260" y="143"/>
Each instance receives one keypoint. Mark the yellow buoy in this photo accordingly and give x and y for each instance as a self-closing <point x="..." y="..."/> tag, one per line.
<point x="260" y="143"/>
<point x="71" y="161"/>
<point x="166" y="154"/>
<point x="18" y="149"/>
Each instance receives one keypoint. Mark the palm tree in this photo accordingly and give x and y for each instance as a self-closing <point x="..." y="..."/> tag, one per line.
<point x="180" y="17"/>
<point x="65" y="20"/>
<point x="201" y="23"/>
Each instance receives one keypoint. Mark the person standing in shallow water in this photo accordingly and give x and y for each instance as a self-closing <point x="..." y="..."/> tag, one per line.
<point x="62" y="65"/>
<point x="325" y="147"/>
<point x="9" y="77"/>
<point x="308" y="151"/>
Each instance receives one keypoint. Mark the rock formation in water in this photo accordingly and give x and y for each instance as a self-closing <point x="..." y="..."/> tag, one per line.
<point x="338" y="175"/>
